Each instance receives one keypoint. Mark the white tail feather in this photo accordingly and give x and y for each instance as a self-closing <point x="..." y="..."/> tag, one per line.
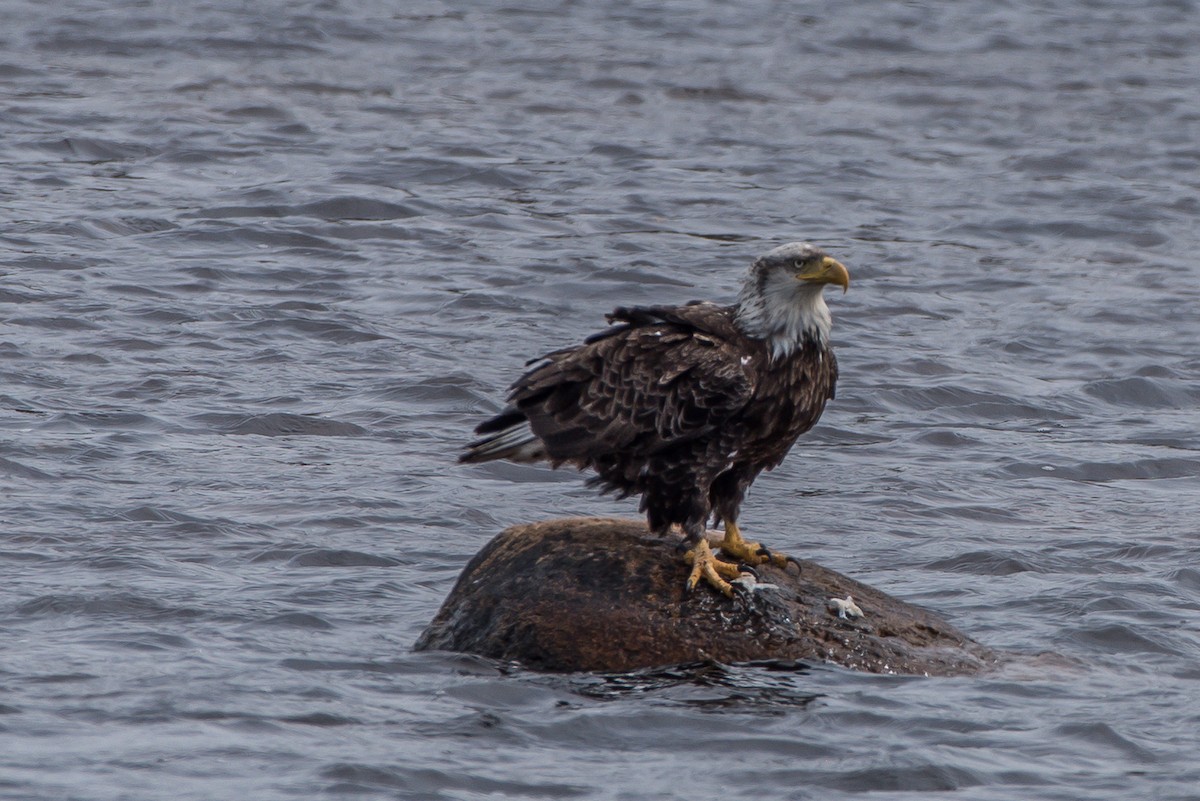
<point x="517" y="443"/>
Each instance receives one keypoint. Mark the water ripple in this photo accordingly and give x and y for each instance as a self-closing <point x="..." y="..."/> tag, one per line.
<point x="266" y="266"/>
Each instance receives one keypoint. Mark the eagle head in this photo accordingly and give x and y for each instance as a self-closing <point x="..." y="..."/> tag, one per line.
<point x="782" y="301"/>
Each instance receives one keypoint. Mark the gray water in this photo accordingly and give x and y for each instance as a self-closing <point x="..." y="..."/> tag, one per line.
<point x="264" y="265"/>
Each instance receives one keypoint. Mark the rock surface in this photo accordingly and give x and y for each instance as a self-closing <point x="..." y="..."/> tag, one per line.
<point x="601" y="594"/>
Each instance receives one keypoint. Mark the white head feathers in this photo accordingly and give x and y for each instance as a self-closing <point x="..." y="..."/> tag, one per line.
<point x="782" y="300"/>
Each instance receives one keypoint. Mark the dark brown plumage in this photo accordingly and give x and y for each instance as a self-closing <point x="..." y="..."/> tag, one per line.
<point x="683" y="405"/>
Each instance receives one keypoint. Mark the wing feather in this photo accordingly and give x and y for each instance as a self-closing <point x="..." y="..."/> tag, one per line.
<point x="637" y="389"/>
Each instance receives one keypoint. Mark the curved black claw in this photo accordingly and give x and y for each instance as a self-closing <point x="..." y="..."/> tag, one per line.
<point x="740" y="586"/>
<point x="771" y="558"/>
<point x="745" y="568"/>
<point x="767" y="554"/>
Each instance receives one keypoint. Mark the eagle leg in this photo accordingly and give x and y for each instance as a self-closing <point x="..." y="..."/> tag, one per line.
<point x="750" y="552"/>
<point x="706" y="565"/>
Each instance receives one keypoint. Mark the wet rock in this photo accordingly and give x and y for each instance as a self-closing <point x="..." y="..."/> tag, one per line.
<point x="600" y="594"/>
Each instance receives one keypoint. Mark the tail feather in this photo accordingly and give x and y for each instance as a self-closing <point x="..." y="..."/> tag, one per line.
<point x="506" y="419"/>
<point x="515" y="442"/>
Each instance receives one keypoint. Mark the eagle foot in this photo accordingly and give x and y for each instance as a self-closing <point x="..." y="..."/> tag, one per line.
<point x="705" y="565"/>
<point x="751" y="552"/>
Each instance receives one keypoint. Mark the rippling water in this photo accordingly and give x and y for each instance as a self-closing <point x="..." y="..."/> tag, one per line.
<point x="265" y="264"/>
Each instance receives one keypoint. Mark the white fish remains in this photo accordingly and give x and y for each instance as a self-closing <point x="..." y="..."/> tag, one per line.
<point x="846" y="608"/>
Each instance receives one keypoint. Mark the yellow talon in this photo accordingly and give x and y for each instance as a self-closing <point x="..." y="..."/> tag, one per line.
<point x="749" y="552"/>
<point x="707" y="566"/>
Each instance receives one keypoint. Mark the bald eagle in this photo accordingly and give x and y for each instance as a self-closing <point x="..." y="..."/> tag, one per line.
<point x="685" y="405"/>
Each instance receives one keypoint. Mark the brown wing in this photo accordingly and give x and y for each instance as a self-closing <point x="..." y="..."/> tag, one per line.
<point x="633" y="390"/>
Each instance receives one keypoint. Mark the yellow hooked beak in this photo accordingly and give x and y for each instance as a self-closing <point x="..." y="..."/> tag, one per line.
<point x="827" y="271"/>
